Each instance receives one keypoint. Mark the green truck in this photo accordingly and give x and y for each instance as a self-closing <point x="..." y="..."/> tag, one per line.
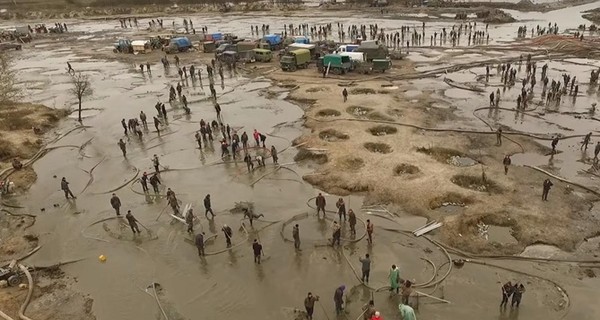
<point x="299" y="58"/>
<point x="336" y="63"/>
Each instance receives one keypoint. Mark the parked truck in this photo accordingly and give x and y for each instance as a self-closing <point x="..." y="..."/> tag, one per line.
<point x="271" y="42"/>
<point x="336" y="63"/>
<point x="180" y="44"/>
<point x="373" y="50"/>
<point x="294" y="59"/>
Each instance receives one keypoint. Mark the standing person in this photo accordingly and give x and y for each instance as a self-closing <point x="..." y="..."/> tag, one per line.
<point x="406" y="312"/>
<point x="218" y="111"/>
<point x="366" y="268"/>
<point x="199" y="241"/>
<point x="345" y="94"/>
<point x="70" y="68"/>
<point x="518" y="291"/>
<point x="352" y="222"/>
<point x="499" y="136"/>
<point x="320" y="202"/>
<point x="115" y="202"/>
<point x="256" y="136"/>
<point x="296" y="236"/>
<point x="258" y="251"/>
<point x="370" y="231"/>
<point x="154" y="181"/>
<point x="189" y="220"/>
<point x="124" y="124"/>
<point x="244" y="139"/>
<point x="506" y="162"/>
<point x="586" y="141"/>
<point x="156" y="163"/>
<point x="163" y="111"/>
<point x="341" y="206"/>
<point x="553" y="144"/>
<point x="507" y="291"/>
<point x="368" y="310"/>
<point x="198" y="137"/>
<point x="132" y="222"/>
<point x="336" y="233"/>
<point x="406" y="291"/>
<point x="144" y="182"/>
<point x="157" y="123"/>
<point x="207" y="207"/>
<point x="274" y="154"/>
<point x="309" y="305"/>
<point x="228" y="234"/>
<point x="249" y="163"/>
<point x="64" y="186"/>
<point x="546" y="189"/>
<point x="123" y="147"/>
<point x="143" y="118"/>
<point x="394" y="277"/>
<point x="262" y="139"/>
<point x="338" y="299"/>
<point x="377" y="316"/>
<point x="596" y="150"/>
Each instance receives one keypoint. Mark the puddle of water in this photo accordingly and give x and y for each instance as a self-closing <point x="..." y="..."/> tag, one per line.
<point x="541" y="251"/>
<point x="461" y="161"/>
<point x="501" y="235"/>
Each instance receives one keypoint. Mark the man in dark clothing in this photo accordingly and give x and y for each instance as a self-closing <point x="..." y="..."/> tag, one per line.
<point x="546" y="189"/>
<point x="258" y="251"/>
<point x="296" y="236"/>
<point x="366" y="268"/>
<point x="518" y="291"/>
<point x="499" y="137"/>
<point x="218" y="110"/>
<point x="507" y="291"/>
<point x="157" y="123"/>
<point x="144" y="182"/>
<point x="228" y="234"/>
<point x="64" y="186"/>
<point x="124" y="124"/>
<point x="262" y="139"/>
<point x="338" y="299"/>
<point x="506" y="162"/>
<point x="274" y="154"/>
<point x="586" y="141"/>
<point x="144" y="119"/>
<point x="249" y="163"/>
<point x="189" y="220"/>
<point x="341" y="206"/>
<point x="132" y="222"/>
<point x="200" y="243"/>
<point x="244" y="139"/>
<point x="309" y="305"/>
<point x="164" y="111"/>
<point x="115" y="202"/>
<point x="345" y="94"/>
<point x="123" y="147"/>
<point x="553" y="144"/>
<point x="156" y="163"/>
<point x="198" y="137"/>
<point x="352" y="221"/>
<point x="336" y="233"/>
<point x="154" y="181"/>
<point x="320" y="201"/>
<point x="207" y="206"/>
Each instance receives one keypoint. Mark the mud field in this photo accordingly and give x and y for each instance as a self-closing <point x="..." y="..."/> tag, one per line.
<point x="410" y="146"/>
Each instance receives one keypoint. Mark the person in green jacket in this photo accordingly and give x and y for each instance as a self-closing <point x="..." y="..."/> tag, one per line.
<point x="406" y="312"/>
<point x="394" y="277"/>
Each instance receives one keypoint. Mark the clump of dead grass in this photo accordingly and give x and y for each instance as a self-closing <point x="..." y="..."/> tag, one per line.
<point x="450" y="198"/>
<point x="362" y="91"/>
<point x="350" y="163"/>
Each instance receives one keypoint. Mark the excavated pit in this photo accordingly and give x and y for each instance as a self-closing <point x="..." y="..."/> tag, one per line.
<point x="328" y="113"/>
<point x="358" y="111"/>
<point x="405" y="169"/>
<point x="378" y="147"/>
<point x="476" y="183"/>
<point x="382" y="130"/>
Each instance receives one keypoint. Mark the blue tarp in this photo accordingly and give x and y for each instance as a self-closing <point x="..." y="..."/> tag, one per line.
<point x="272" y="39"/>
<point x="217" y="36"/>
<point x="182" y="42"/>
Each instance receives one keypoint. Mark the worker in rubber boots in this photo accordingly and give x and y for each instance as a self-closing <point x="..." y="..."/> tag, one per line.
<point x="132" y="222"/>
<point x="336" y="235"/>
<point x="546" y="189"/>
<point x="352" y="222"/>
<point x="123" y="147"/>
<point x="189" y="220"/>
<point x="320" y="202"/>
<point x="345" y="94"/>
<point x="506" y="162"/>
<point x="228" y="234"/>
<point x="64" y="186"/>
<point x="208" y="207"/>
<point x="115" y="202"/>
<point x="338" y="299"/>
<point x="309" y="305"/>
<point x="199" y="241"/>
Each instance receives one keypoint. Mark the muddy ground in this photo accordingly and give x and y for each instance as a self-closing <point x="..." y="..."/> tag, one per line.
<point x="406" y="148"/>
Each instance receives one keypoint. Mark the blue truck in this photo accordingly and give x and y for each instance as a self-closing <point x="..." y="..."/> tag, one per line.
<point x="272" y="42"/>
<point x="180" y="44"/>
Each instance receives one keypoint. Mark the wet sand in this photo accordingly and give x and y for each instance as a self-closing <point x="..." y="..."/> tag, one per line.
<point x="229" y="285"/>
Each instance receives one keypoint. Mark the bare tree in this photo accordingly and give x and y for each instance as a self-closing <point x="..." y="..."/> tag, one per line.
<point x="81" y="88"/>
<point x="8" y="90"/>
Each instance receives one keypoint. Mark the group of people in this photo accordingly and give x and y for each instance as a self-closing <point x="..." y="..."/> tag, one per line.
<point x="516" y="291"/>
